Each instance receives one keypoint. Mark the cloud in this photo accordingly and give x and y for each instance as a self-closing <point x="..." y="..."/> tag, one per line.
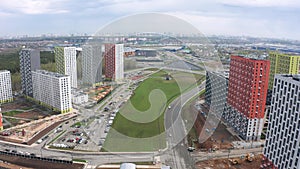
<point x="262" y="3"/>
<point x="34" y="6"/>
<point x="239" y="25"/>
<point x="275" y="18"/>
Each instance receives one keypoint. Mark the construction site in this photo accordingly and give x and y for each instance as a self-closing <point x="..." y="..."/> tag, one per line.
<point x="221" y="138"/>
<point x="249" y="161"/>
<point x="26" y="122"/>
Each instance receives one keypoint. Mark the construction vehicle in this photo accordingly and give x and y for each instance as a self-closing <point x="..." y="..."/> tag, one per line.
<point x="250" y="157"/>
<point x="235" y="161"/>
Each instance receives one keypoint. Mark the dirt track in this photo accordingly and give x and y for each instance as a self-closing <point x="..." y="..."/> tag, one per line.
<point x="225" y="164"/>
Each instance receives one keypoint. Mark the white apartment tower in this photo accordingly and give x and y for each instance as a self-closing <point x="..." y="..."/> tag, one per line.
<point x="29" y="61"/>
<point x="65" y="60"/>
<point x="119" y="61"/>
<point x="5" y="86"/>
<point x="91" y="64"/>
<point x="52" y="90"/>
<point x="282" y="148"/>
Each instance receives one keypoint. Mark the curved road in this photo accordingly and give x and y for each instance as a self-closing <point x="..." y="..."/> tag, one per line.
<point x="177" y="154"/>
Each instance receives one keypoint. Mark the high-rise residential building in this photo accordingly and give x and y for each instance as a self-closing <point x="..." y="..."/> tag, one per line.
<point x="65" y="60"/>
<point x="114" y="61"/>
<point x="5" y="86"/>
<point x="282" y="64"/>
<point x="282" y="148"/>
<point x="52" y="90"/>
<point x="29" y="61"/>
<point x="91" y="64"/>
<point x="216" y="90"/>
<point x="247" y="92"/>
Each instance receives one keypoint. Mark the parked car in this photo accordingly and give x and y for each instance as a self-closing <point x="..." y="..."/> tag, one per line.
<point x="39" y="141"/>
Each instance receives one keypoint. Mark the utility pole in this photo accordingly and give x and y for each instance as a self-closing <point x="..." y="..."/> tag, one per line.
<point x="228" y="157"/>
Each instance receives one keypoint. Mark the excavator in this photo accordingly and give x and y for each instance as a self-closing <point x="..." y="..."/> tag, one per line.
<point x="249" y="157"/>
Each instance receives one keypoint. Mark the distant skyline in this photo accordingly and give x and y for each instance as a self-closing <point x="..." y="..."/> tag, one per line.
<point x="259" y="18"/>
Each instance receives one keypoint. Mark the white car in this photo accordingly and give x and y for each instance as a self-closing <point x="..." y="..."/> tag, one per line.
<point x="169" y="107"/>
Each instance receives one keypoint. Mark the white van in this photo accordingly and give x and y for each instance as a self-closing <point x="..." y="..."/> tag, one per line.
<point x="39" y="141"/>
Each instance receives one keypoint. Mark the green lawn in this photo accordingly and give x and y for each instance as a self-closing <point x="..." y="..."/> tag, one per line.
<point x="139" y="125"/>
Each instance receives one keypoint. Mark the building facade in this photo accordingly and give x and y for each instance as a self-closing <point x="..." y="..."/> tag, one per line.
<point x="91" y="64"/>
<point x="283" y="136"/>
<point x="5" y="87"/>
<point x="52" y="90"/>
<point x="114" y="61"/>
<point x="247" y="92"/>
<point x="80" y="98"/>
<point x="282" y="64"/>
<point x="29" y="61"/>
<point x="65" y="60"/>
<point x="216" y="89"/>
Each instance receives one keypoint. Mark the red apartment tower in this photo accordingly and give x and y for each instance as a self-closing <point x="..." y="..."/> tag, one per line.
<point x="113" y="59"/>
<point x="247" y="93"/>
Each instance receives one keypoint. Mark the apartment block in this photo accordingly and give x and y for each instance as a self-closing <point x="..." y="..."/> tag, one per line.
<point x="282" y="64"/>
<point x="5" y="87"/>
<point x="247" y="92"/>
<point x="114" y="61"/>
<point x="91" y="64"/>
<point x="216" y="90"/>
<point x="283" y="136"/>
<point x="29" y="61"/>
<point x="66" y="64"/>
<point x="52" y="90"/>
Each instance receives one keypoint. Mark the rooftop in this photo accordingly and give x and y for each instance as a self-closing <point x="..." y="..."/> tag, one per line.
<point x="44" y="72"/>
<point x="2" y="71"/>
<point x="293" y="77"/>
<point x="253" y="57"/>
<point x="224" y="74"/>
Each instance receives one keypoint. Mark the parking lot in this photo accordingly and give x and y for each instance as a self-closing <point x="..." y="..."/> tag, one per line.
<point x="86" y="135"/>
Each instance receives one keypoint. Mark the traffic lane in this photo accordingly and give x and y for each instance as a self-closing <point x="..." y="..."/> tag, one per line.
<point x="173" y="114"/>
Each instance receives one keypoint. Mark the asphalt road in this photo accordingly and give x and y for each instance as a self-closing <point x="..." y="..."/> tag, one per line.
<point x="177" y="155"/>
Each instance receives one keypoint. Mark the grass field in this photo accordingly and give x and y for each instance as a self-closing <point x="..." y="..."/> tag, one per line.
<point x="139" y="125"/>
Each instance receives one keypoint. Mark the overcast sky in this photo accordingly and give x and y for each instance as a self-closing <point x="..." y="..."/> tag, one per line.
<point x="260" y="18"/>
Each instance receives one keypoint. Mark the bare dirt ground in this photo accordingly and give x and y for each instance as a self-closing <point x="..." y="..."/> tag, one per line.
<point x="226" y="164"/>
<point x="31" y="115"/>
<point x="220" y="139"/>
<point x="32" y="163"/>
<point x="6" y="165"/>
<point x="16" y="104"/>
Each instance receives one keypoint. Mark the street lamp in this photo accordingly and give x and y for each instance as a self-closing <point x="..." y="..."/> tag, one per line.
<point x="41" y="152"/>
